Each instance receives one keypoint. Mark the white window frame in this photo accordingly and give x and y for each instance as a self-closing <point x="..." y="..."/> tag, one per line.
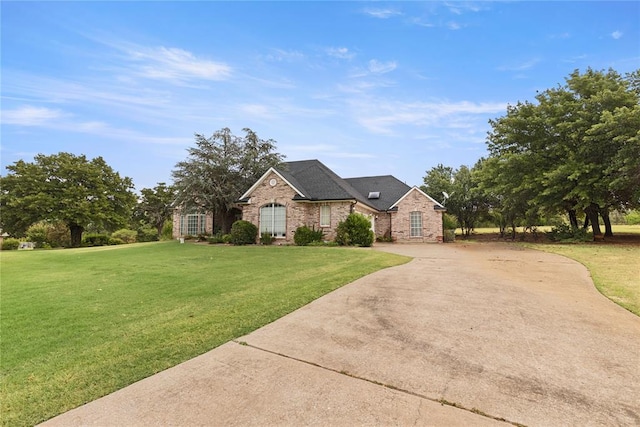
<point x="192" y="224"/>
<point x="273" y="220"/>
<point x="415" y="224"/>
<point x="325" y="216"/>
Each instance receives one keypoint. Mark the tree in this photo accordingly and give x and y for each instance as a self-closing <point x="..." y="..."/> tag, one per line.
<point x="219" y="169"/>
<point x="458" y="190"/>
<point x="156" y="205"/>
<point x="68" y="188"/>
<point x="570" y="150"/>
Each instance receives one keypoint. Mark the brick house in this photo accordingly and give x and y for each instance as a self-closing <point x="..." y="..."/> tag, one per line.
<point x="309" y="193"/>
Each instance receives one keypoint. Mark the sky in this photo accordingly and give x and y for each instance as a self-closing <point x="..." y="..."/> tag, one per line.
<point x="367" y="88"/>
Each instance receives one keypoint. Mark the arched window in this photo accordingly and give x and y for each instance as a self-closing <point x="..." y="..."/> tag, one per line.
<point x="273" y="220"/>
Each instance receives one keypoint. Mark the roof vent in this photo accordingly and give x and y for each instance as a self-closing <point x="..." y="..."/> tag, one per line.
<point x="374" y="195"/>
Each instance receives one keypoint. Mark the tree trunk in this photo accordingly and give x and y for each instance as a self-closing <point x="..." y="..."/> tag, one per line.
<point x="586" y="221"/>
<point x="592" y="214"/>
<point x="604" y="213"/>
<point x="159" y="228"/>
<point x="573" y="218"/>
<point x="76" y="235"/>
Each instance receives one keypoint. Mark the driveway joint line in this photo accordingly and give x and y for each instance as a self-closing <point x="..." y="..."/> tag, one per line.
<point x="442" y="401"/>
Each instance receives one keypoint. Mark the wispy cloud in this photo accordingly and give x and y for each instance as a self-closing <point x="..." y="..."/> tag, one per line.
<point x="29" y="115"/>
<point x="377" y="67"/>
<point x="520" y="66"/>
<point x="382" y="13"/>
<point x="616" y="34"/>
<point x="382" y="117"/>
<point x="282" y="55"/>
<point x="177" y="65"/>
<point x="452" y="25"/>
<point x="340" y="52"/>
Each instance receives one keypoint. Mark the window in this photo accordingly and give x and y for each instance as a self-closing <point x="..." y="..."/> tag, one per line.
<point x="325" y="216"/>
<point x="273" y="220"/>
<point x="416" y="224"/>
<point x="192" y="224"/>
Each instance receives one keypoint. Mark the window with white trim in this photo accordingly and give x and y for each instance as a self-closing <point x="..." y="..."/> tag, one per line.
<point x="273" y="220"/>
<point x="415" y="224"/>
<point x="192" y="224"/>
<point x="325" y="216"/>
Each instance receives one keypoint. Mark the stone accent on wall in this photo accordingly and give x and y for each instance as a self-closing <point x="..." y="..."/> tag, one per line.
<point x="431" y="219"/>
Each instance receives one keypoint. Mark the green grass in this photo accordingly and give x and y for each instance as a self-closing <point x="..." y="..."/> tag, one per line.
<point x="79" y="324"/>
<point x="615" y="269"/>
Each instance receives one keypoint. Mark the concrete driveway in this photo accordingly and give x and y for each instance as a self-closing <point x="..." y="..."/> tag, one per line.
<point x="465" y="334"/>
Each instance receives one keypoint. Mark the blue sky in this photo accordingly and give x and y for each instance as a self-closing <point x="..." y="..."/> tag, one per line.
<point x="368" y="88"/>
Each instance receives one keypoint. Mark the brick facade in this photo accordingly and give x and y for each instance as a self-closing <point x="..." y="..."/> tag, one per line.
<point x="431" y="219"/>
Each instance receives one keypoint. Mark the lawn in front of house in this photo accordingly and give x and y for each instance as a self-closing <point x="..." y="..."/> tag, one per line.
<point x="78" y="324"/>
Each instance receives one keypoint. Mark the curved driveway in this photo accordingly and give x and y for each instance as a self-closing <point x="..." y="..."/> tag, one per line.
<point x="477" y="334"/>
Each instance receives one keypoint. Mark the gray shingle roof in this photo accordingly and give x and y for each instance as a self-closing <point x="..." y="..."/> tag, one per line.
<point x="317" y="182"/>
<point x="389" y="187"/>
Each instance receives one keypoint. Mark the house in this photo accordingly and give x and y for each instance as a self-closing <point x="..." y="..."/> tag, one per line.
<point x="309" y="193"/>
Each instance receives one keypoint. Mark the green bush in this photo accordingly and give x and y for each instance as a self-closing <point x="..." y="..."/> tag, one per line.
<point x="126" y="235"/>
<point x="95" y="239"/>
<point x="355" y="231"/>
<point x="243" y="233"/>
<point x="565" y="233"/>
<point x="37" y="234"/>
<point x="116" y="241"/>
<point x="632" y="218"/>
<point x="226" y="238"/>
<point x="266" y="239"/>
<point x="147" y="234"/>
<point x="305" y="235"/>
<point x="10" y="244"/>
<point x="167" y="230"/>
<point x="449" y="222"/>
<point x="216" y="238"/>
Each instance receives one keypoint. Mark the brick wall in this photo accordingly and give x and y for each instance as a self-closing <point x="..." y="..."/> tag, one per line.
<point x="431" y="220"/>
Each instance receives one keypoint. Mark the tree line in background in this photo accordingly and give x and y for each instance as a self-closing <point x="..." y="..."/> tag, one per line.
<point x="68" y="200"/>
<point x="575" y="152"/>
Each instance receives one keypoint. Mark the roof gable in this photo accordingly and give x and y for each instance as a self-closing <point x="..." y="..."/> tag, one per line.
<point x="437" y="206"/>
<point x="264" y="176"/>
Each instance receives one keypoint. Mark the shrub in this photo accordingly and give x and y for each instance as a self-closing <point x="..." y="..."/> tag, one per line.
<point x="116" y="241"/>
<point x="58" y="234"/>
<point x="355" y="231"/>
<point x="305" y="235"/>
<point x="632" y="218"/>
<point x="37" y="234"/>
<point x="126" y="235"/>
<point x="449" y="222"/>
<point x="95" y="239"/>
<point x="266" y="238"/>
<point x="147" y="234"/>
<point x="167" y="230"/>
<point x="226" y="238"/>
<point x="243" y="233"/>
<point x="216" y="238"/>
<point x="565" y="233"/>
<point x="10" y="244"/>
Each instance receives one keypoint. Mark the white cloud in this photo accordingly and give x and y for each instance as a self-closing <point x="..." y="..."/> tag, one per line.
<point x="340" y="52"/>
<point x="378" y="67"/>
<point x="454" y="25"/>
<point x="31" y="116"/>
<point x="616" y="34"/>
<point x="520" y="66"/>
<point x="382" y="13"/>
<point x="281" y="55"/>
<point x="382" y="117"/>
<point x="176" y="65"/>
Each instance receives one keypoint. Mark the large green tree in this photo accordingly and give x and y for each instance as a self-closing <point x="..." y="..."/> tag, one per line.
<point x="64" y="187"/>
<point x="574" y="149"/>
<point x="458" y="191"/>
<point x="155" y="206"/>
<point x="219" y="169"/>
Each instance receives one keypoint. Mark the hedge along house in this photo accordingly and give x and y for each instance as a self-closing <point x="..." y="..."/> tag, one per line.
<point x="309" y="193"/>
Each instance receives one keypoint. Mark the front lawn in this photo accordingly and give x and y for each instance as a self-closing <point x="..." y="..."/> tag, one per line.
<point x="81" y="323"/>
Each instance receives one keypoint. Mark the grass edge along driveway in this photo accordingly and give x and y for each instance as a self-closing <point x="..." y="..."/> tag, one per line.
<point x="81" y="323"/>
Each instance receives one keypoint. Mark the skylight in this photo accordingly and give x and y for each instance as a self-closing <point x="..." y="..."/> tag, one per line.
<point x="374" y="195"/>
